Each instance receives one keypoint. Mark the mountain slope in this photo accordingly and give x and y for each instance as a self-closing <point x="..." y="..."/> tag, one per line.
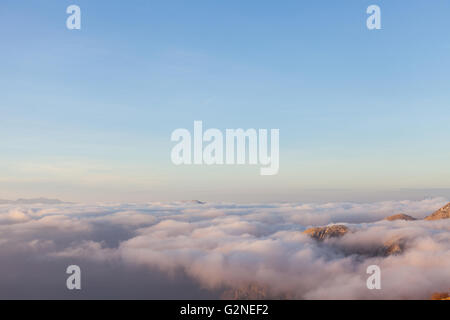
<point x="442" y="213"/>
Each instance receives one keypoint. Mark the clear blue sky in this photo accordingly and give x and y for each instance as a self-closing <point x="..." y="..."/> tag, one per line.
<point x="87" y="115"/>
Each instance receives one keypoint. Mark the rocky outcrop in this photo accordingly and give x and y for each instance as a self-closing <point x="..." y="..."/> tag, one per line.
<point x="250" y="292"/>
<point x="440" y="296"/>
<point x="442" y="213"/>
<point x="393" y="247"/>
<point x="254" y="292"/>
<point x="400" y="216"/>
<point x="322" y="233"/>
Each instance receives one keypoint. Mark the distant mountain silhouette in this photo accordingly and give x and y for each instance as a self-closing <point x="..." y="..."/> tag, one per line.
<point x="193" y="201"/>
<point x="33" y="201"/>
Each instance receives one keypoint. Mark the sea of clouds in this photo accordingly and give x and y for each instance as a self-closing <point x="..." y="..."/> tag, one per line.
<point x="190" y="250"/>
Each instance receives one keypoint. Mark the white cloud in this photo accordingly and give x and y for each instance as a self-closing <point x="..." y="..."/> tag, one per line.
<point x="225" y="246"/>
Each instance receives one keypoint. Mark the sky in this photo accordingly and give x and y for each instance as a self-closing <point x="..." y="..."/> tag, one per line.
<point x="87" y="115"/>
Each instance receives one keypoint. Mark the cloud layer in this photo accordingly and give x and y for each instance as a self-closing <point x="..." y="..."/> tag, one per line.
<point x="211" y="250"/>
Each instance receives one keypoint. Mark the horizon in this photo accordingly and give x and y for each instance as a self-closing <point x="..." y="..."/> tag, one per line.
<point x="305" y="196"/>
<point x="267" y="204"/>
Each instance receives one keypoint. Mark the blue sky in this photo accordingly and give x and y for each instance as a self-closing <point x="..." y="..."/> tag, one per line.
<point x="87" y="115"/>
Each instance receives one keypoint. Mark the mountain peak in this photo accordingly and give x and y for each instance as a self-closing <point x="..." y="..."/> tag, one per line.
<point x="442" y="213"/>
<point x="322" y="233"/>
<point x="400" y="216"/>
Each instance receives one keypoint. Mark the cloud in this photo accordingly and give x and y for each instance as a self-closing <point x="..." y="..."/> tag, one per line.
<point x="223" y="247"/>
